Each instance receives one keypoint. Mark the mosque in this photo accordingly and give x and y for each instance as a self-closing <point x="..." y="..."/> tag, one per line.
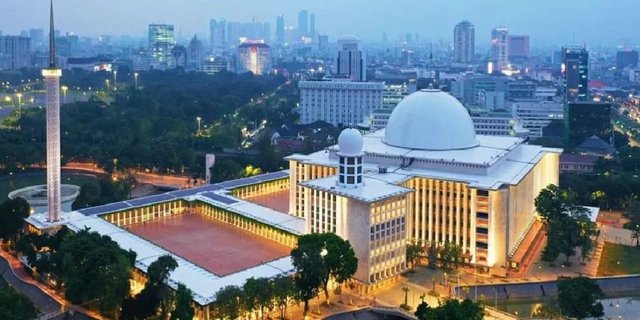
<point x="427" y="178"/>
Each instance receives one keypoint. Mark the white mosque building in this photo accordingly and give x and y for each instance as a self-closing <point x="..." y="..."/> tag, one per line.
<point x="429" y="178"/>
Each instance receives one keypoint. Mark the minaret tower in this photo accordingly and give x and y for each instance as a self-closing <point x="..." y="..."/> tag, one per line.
<point x="52" y="76"/>
<point x="350" y="154"/>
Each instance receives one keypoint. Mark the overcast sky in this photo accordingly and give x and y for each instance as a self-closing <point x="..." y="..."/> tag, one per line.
<point x="552" y="22"/>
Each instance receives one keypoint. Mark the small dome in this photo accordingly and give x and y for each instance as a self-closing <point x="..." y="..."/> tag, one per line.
<point x="349" y="38"/>
<point x="350" y="142"/>
<point x="430" y="120"/>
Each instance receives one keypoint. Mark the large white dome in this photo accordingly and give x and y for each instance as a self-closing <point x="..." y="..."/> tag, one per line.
<point x="430" y="120"/>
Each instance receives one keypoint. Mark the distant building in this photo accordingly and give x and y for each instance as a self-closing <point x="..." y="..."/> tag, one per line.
<point x="312" y="26"/>
<point x="280" y="35"/>
<point x="500" y="48"/>
<point x="537" y="115"/>
<point x="213" y="65"/>
<point x="323" y="42"/>
<point x="253" y="57"/>
<point x="471" y="89"/>
<point x="15" y="52"/>
<point x="518" y="47"/>
<point x="218" y="34"/>
<point x="339" y="102"/>
<point x="161" y="42"/>
<point x="37" y="38"/>
<point x="521" y="90"/>
<point x="464" y="42"/>
<point x="497" y="124"/>
<point x="195" y="54"/>
<point x="586" y="119"/>
<point x="303" y="24"/>
<point x="577" y="163"/>
<point x="626" y="59"/>
<point x="575" y="73"/>
<point x="392" y="95"/>
<point x="351" y="59"/>
<point x="239" y="32"/>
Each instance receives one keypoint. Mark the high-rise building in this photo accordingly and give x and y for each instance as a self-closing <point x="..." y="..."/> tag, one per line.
<point x="303" y="23"/>
<point x="464" y="39"/>
<point x="52" y="76"/>
<point x="280" y="37"/>
<point x="575" y="73"/>
<point x="238" y="32"/>
<point x="161" y="42"/>
<point x="627" y="58"/>
<point x="312" y="26"/>
<point x="351" y="59"/>
<point x="195" y="54"/>
<point x="323" y="42"/>
<point x="218" y="34"/>
<point x="253" y="57"/>
<point x="518" y="47"/>
<point x="15" y="52"/>
<point x="586" y="119"/>
<point x="500" y="48"/>
<point x="37" y="38"/>
<point x="339" y="101"/>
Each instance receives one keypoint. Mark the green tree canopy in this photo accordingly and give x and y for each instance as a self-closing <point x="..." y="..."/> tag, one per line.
<point x="12" y="215"/>
<point x="578" y="297"/>
<point x="15" y="306"/>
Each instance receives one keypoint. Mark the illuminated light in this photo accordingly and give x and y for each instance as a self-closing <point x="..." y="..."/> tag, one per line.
<point x="490" y="67"/>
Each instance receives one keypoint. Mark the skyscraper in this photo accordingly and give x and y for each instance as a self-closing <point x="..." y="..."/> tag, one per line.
<point x="518" y="47"/>
<point x="464" y="39"/>
<point x="253" y="57"/>
<point x="303" y="23"/>
<point x="195" y="55"/>
<point x="280" y="38"/>
<point x="52" y="76"/>
<point x="15" y="52"/>
<point x="500" y="47"/>
<point x="161" y="42"/>
<point x="351" y="59"/>
<point x="575" y="73"/>
<point x="217" y="34"/>
<point x="627" y="58"/>
<point x="312" y="26"/>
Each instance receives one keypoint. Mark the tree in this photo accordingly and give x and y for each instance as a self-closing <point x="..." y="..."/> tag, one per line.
<point x="183" y="309"/>
<point x="578" y="297"/>
<point x="12" y="215"/>
<point x="89" y="196"/>
<point x="340" y="260"/>
<point x="228" y="302"/>
<point x="413" y="254"/>
<point x="284" y="290"/>
<point x="156" y="296"/>
<point x="15" y="306"/>
<point x="224" y="170"/>
<point x="309" y="266"/>
<point x="451" y="309"/>
<point x="94" y="268"/>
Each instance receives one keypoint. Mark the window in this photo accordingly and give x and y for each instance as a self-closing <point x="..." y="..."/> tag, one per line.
<point x="482" y="230"/>
<point x="482" y="245"/>
<point x="482" y="215"/>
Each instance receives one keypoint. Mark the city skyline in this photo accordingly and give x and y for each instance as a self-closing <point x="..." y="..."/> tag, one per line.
<point x="433" y="21"/>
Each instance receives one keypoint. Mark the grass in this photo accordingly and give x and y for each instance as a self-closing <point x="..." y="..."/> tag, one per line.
<point x="9" y="183"/>
<point x="619" y="260"/>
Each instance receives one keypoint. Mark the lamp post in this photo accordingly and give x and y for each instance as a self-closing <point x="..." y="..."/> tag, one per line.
<point x="64" y="92"/>
<point x="199" y="120"/>
<point x="19" y="95"/>
<point x="107" y="83"/>
<point x="115" y="79"/>
<point x="135" y="79"/>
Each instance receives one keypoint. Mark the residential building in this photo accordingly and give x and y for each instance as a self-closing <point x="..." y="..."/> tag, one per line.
<point x="15" y="52"/>
<point x="500" y="48"/>
<point x="464" y="39"/>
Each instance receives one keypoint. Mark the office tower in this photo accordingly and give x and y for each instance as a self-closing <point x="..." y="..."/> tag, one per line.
<point x="351" y="59"/>
<point x="575" y="73"/>
<point x="15" y="52"/>
<point x="52" y="76"/>
<point x="161" y="42"/>
<point x="312" y="26"/>
<point x="303" y="24"/>
<point x="518" y="47"/>
<point x="280" y="38"/>
<point x="195" y="55"/>
<point x="339" y="101"/>
<point x="323" y="42"/>
<point x="500" y="48"/>
<point x="586" y="119"/>
<point x="37" y="38"/>
<point x="253" y="57"/>
<point x="238" y="32"/>
<point x="464" y="39"/>
<point x="627" y="58"/>
<point x="218" y="34"/>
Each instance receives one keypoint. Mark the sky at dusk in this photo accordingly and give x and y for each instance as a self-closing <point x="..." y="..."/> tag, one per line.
<point x="548" y="22"/>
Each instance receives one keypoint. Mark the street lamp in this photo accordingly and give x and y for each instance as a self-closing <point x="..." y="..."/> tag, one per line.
<point x="115" y="79"/>
<point x="19" y="95"/>
<point x="107" y="82"/>
<point x="198" y="119"/>
<point x="64" y="92"/>
<point x="135" y="79"/>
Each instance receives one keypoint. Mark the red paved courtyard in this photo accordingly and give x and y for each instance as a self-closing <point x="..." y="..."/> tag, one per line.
<point x="278" y="201"/>
<point x="218" y="247"/>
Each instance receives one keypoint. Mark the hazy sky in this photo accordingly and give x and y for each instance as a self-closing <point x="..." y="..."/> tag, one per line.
<point x="547" y="21"/>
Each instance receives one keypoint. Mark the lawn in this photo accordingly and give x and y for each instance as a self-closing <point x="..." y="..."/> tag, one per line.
<point x="619" y="260"/>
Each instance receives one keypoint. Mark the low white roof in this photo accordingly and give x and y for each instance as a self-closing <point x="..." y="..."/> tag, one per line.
<point x="373" y="189"/>
<point x="203" y="283"/>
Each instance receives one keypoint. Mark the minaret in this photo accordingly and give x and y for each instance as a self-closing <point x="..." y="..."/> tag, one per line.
<point x="350" y="154"/>
<point x="52" y="83"/>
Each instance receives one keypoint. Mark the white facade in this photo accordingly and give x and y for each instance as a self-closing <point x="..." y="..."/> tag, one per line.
<point x="253" y="57"/>
<point x="497" y="124"/>
<point x="537" y="115"/>
<point x="500" y="48"/>
<point x="351" y="59"/>
<point x="339" y="102"/>
<point x="427" y="183"/>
